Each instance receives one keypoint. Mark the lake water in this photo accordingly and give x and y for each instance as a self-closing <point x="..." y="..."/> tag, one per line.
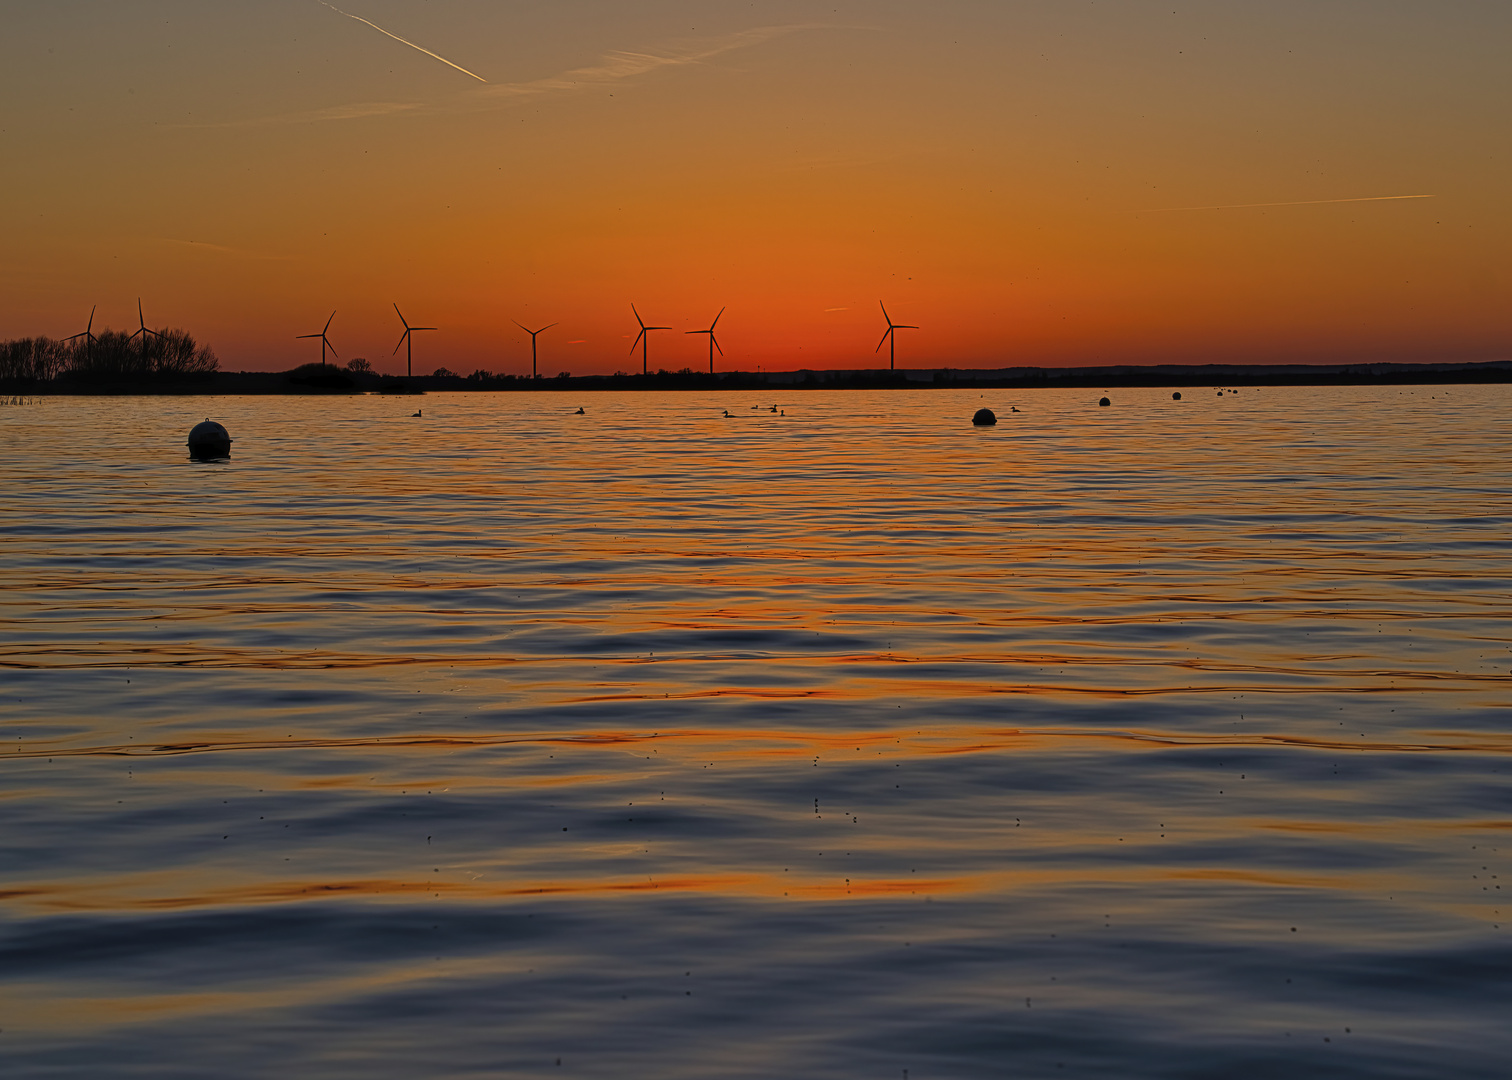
<point x="1169" y="739"/>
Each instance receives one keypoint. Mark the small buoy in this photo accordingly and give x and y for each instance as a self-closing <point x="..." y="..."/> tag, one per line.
<point x="984" y="418"/>
<point x="209" y="440"/>
<point x="1104" y="402"/>
<point x="579" y="412"/>
<point x="1220" y="393"/>
<point x="1176" y="396"/>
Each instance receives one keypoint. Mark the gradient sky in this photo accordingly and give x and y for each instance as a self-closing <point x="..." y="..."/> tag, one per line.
<point x="1009" y="175"/>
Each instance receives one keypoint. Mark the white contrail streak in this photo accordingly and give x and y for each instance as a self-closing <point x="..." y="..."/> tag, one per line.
<point x="402" y="41"/>
<point x="1303" y="202"/>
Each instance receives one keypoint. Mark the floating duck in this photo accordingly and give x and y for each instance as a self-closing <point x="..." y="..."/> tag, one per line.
<point x="415" y="413"/>
<point x="579" y="412"/>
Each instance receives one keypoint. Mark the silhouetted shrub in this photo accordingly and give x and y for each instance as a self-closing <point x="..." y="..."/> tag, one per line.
<point x="155" y="354"/>
<point x="359" y="366"/>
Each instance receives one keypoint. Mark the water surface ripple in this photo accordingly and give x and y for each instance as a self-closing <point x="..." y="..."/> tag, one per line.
<point x="1168" y="739"/>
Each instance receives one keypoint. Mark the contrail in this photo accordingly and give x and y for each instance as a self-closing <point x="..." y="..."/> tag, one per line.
<point x="1303" y="202"/>
<point x="402" y="41"/>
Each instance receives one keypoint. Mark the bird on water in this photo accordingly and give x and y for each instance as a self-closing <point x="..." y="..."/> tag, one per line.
<point x="415" y="413"/>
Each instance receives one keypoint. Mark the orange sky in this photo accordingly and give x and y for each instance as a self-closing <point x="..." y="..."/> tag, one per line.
<point x="989" y="169"/>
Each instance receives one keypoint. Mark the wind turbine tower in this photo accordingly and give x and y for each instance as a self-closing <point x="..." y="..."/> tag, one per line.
<point x="643" y="339"/>
<point x="142" y="332"/>
<point x="324" y="341"/>
<point x="533" y="334"/>
<point x="890" y="338"/>
<point x="407" y="339"/>
<point x="88" y="335"/>
<point x="713" y="342"/>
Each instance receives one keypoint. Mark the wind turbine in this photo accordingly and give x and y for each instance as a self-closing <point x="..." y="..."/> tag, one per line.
<point x="142" y="331"/>
<point x="713" y="342"/>
<point x="892" y="346"/>
<point x="406" y="339"/>
<point x="324" y="341"/>
<point x="88" y="336"/>
<point x="643" y="339"/>
<point x="533" y="334"/>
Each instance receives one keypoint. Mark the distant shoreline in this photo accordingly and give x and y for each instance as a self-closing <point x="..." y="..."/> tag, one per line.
<point x="340" y="381"/>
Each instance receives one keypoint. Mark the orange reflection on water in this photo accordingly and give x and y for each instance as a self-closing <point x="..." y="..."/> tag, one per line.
<point x="753" y="743"/>
<point x="122" y="896"/>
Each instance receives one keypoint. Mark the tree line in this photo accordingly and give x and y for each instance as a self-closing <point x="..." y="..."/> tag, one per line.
<point x="110" y="355"/>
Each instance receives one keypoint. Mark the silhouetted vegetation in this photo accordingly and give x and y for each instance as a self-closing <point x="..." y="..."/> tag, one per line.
<point x="111" y="356"/>
<point x="322" y="377"/>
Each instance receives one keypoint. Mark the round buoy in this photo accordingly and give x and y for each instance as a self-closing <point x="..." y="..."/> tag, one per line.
<point x="209" y="440"/>
<point x="984" y="418"/>
<point x="1176" y="396"/>
<point x="1220" y="393"/>
<point x="1104" y="402"/>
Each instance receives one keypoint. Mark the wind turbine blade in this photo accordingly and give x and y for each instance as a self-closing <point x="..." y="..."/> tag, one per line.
<point x="332" y="348"/>
<point x="883" y="342"/>
<point x="521" y="325"/>
<point x="695" y="331"/>
<point x="396" y="312"/>
<point x="715" y="323"/>
<point x="140" y="321"/>
<point x="905" y="328"/>
<point x="637" y="340"/>
<point x="401" y="341"/>
<point x="638" y="318"/>
<point x="885" y="315"/>
<point x="547" y="327"/>
<point x="91" y="320"/>
<point x="328" y="324"/>
<point x="715" y="340"/>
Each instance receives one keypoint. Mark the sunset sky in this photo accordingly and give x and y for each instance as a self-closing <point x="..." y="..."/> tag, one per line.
<point x="1014" y="177"/>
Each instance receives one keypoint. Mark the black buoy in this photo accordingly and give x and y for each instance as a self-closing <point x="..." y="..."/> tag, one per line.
<point x="1220" y="393"/>
<point x="209" y="440"/>
<point x="1104" y="402"/>
<point x="1176" y="396"/>
<point x="984" y="418"/>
